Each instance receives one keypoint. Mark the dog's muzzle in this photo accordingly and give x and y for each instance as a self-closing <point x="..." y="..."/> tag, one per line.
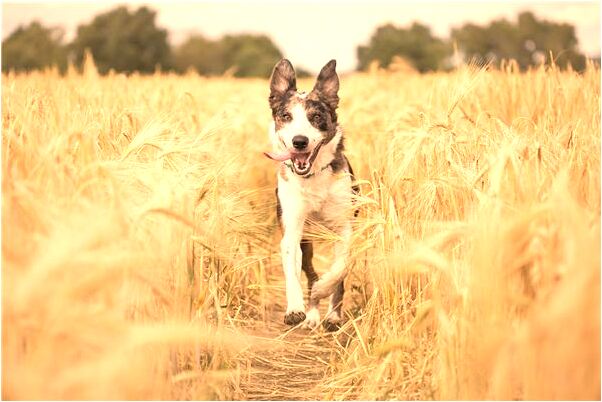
<point x="301" y="162"/>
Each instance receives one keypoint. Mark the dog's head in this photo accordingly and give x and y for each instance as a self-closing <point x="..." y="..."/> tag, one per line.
<point x="303" y="123"/>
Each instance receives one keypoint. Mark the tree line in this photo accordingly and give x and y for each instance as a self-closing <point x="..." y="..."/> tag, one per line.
<point x="126" y="41"/>
<point x="529" y="41"/>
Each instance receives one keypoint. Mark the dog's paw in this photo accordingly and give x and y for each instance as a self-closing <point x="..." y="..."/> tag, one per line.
<point x="332" y="325"/>
<point x="313" y="319"/>
<point x="294" y="317"/>
<point x="332" y="322"/>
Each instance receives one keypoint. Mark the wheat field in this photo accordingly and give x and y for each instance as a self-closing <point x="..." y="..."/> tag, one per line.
<point x="140" y="254"/>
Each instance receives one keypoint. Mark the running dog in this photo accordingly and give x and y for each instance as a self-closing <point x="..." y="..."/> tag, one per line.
<point x="314" y="185"/>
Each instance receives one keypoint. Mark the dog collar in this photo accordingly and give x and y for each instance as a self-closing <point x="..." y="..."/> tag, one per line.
<point x="307" y="176"/>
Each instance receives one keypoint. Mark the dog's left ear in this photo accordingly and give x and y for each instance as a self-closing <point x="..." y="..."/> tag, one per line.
<point x="327" y="84"/>
<point x="283" y="79"/>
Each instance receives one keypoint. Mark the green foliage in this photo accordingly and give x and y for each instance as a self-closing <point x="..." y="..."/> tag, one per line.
<point x="529" y="41"/>
<point x="201" y="54"/>
<point x="416" y="44"/>
<point x="130" y="41"/>
<point x="244" y="55"/>
<point x="250" y="55"/>
<point x="33" y="47"/>
<point x="123" y="41"/>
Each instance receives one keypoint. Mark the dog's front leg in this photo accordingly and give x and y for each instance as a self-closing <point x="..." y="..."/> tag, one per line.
<point x="293" y="221"/>
<point x="331" y="284"/>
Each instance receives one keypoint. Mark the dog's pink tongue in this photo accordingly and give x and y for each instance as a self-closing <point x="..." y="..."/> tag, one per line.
<point x="283" y="156"/>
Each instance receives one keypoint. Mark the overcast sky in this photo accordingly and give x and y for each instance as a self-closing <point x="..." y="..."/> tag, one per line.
<point x="311" y="32"/>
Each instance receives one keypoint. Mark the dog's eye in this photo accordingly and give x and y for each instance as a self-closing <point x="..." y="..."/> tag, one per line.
<point x="316" y="118"/>
<point x="285" y="116"/>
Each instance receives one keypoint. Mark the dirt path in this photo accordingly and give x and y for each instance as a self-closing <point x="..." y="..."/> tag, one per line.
<point x="288" y="363"/>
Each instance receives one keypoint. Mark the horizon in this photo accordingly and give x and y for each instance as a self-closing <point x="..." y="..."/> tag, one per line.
<point x="356" y="22"/>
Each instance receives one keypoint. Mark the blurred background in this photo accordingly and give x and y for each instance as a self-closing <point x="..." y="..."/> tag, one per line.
<point x="246" y="39"/>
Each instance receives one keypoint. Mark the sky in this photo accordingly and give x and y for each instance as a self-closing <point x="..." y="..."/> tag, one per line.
<point x="311" y="32"/>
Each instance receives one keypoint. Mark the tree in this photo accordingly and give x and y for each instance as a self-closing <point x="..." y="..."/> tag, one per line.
<point x="250" y="55"/>
<point x="123" y="41"/>
<point x="33" y="47"/>
<point x="246" y="55"/>
<point x="415" y="44"/>
<point x="528" y="41"/>
<point x="202" y="54"/>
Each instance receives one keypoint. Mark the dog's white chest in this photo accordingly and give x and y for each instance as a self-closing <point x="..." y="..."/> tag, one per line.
<point x="325" y="198"/>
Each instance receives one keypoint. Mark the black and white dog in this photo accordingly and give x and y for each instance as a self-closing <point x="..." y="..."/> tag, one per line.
<point x="314" y="185"/>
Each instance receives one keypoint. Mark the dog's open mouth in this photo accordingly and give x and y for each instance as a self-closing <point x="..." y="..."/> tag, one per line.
<point x="301" y="164"/>
<point x="301" y="161"/>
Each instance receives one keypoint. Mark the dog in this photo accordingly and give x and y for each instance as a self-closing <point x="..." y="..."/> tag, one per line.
<point x="315" y="184"/>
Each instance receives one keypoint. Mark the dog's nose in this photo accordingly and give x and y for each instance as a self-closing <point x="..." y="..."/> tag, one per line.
<point x="300" y="142"/>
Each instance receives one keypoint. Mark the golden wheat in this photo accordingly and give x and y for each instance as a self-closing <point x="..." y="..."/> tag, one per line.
<point x="139" y="233"/>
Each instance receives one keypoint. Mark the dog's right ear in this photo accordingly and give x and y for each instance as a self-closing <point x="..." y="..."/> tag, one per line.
<point x="327" y="84"/>
<point x="283" y="80"/>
